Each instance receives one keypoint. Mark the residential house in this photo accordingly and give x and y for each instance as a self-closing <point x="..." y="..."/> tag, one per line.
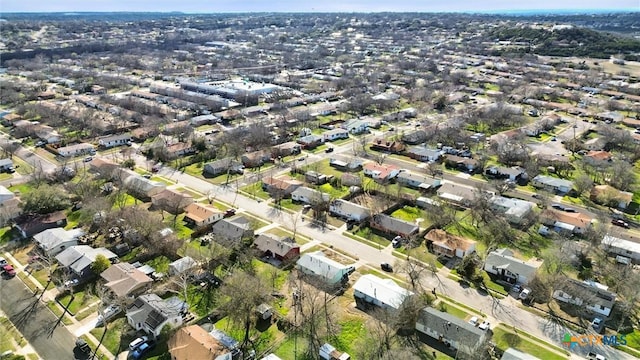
<point x="514" y="173"/>
<point x="609" y="196"/>
<point x="414" y="137"/>
<point x="285" y="149"/>
<point x="380" y="173"/>
<point x="307" y="195"/>
<point x="348" y="210"/>
<point x="424" y="154"/>
<point x="597" y="157"/>
<point x="552" y="184"/>
<point x="506" y="267"/>
<point x="203" y="120"/>
<point x="310" y="141"/>
<point x="78" y="259"/>
<point x="562" y="221"/>
<point x="513" y="354"/>
<point x="232" y="230"/>
<point x="346" y="164"/>
<point x="457" y="334"/>
<point x="335" y="134"/>
<point x="55" y="240"/>
<point x="9" y="119"/>
<point x="389" y="146"/>
<point x="182" y="265"/>
<point x="417" y="181"/>
<point x="355" y="126"/>
<point x="277" y="247"/>
<point x="221" y="166"/>
<point x="171" y="201"/>
<point x="6" y="165"/>
<point x="514" y="210"/>
<point x="124" y="280"/>
<point x="76" y="150"/>
<point x="382" y="293"/>
<point x="150" y="313"/>
<point x="621" y="247"/>
<point x="194" y="342"/>
<point x="457" y="194"/>
<point x="347" y="179"/>
<point x="179" y="149"/>
<point x="9" y="206"/>
<point x="201" y="215"/>
<point x="591" y="295"/>
<point x="114" y="140"/>
<point x="47" y="134"/>
<point x="139" y="186"/>
<point x="107" y="169"/>
<point x="280" y="187"/>
<point x="317" y="265"/>
<point x="465" y="164"/>
<point x="389" y="224"/>
<point x="31" y="224"/>
<point x="448" y="245"/>
<point x="256" y="158"/>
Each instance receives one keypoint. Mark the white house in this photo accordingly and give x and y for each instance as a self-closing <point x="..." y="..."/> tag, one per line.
<point x="594" y="296"/>
<point x="335" y="134"/>
<point x="552" y="184"/>
<point x="202" y="214"/>
<point x="181" y="265"/>
<point x="380" y="172"/>
<point x="348" y="210"/>
<point x="355" y="126"/>
<point x="150" y="313"/>
<point x="307" y="195"/>
<point x="115" y="140"/>
<point x="383" y="293"/>
<point x="53" y="241"/>
<point x="76" y="150"/>
<point x="514" y="210"/>
<point x="317" y="264"/>
<point x="621" y="247"/>
<point x="506" y="267"/>
<point x="9" y="205"/>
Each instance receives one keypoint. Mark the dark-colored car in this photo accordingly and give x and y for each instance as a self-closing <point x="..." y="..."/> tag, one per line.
<point x="229" y="213"/>
<point x="139" y="352"/>
<point x="621" y="223"/>
<point x="386" y="267"/>
<point x="328" y="150"/>
<point x="83" y="346"/>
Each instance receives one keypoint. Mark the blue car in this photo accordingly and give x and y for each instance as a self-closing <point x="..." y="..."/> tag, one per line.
<point x="139" y="352"/>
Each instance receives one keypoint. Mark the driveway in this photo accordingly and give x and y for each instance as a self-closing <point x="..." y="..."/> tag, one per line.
<point x="35" y="322"/>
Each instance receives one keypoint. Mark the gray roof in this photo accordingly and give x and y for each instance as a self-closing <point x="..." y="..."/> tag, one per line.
<point x="183" y="264"/>
<point x="78" y="258"/>
<point x="502" y="259"/>
<point x="589" y="292"/>
<point x="386" y="291"/>
<point x="153" y="310"/>
<point x="552" y="181"/>
<point x="51" y="238"/>
<point x="452" y="327"/>
<point x="277" y="245"/>
<point x="318" y="264"/>
<point x="394" y="225"/>
<point x="513" y="354"/>
<point x="421" y="151"/>
<point x="6" y="162"/>
<point x="232" y="228"/>
<point x="407" y="176"/>
<point x="350" y="207"/>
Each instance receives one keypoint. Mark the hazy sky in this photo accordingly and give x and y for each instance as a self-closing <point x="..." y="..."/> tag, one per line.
<point x="209" y="6"/>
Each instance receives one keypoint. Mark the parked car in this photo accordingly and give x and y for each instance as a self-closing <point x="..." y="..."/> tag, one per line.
<point x="621" y="223"/>
<point x="110" y="312"/>
<point x="88" y="159"/>
<point x="83" y="346"/>
<point x="524" y="294"/>
<point x="594" y="356"/>
<point x="396" y="242"/>
<point x="328" y="150"/>
<point x="516" y="289"/>
<point x="386" y="267"/>
<point x="484" y="326"/>
<point x="597" y="324"/>
<point x="8" y="271"/>
<point x="3" y="261"/>
<point x="137" y="342"/>
<point x="229" y="213"/>
<point x="474" y="321"/>
<point x="557" y="207"/>
<point x="144" y="348"/>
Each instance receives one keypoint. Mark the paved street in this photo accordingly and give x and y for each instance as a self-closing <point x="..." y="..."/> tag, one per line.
<point x="35" y="322"/>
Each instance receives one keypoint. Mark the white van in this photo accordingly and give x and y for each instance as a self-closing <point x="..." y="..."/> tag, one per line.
<point x="623" y="260"/>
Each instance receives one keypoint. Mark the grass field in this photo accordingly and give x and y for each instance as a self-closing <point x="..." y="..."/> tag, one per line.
<point x="113" y="338"/>
<point x="505" y="339"/>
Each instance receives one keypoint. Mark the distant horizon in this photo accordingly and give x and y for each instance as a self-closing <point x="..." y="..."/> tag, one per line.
<point x="326" y="6"/>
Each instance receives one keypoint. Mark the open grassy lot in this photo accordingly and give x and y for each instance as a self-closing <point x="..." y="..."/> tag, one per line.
<point x="504" y="338"/>
<point x="255" y="190"/>
<point x="334" y="192"/>
<point x="411" y="214"/>
<point x="81" y="300"/>
<point x="160" y="263"/>
<point x="324" y="168"/>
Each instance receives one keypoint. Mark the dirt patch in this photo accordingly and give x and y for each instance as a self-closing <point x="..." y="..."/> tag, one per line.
<point x="370" y="201"/>
<point x="337" y="257"/>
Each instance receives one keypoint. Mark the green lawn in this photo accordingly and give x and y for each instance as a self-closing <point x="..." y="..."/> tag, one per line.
<point x="366" y="233"/>
<point x="113" y="339"/>
<point x="334" y="193"/>
<point x="8" y="334"/>
<point x="160" y="263"/>
<point x="201" y="300"/>
<point x="633" y="339"/>
<point x="287" y="349"/>
<point x="270" y="275"/>
<point x="505" y="339"/>
<point x="21" y="189"/>
<point x="179" y="226"/>
<point x="410" y="214"/>
<point x="323" y="167"/>
<point x="351" y="329"/>
<point x="452" y="309"/>
<point x="7" y="233"/>
<point x="80" y="301"/>
<point x="300" y="239"/>
<point x="57" y="311"/>
<point x="73" y="219"/>
<point x="255" y="190"/>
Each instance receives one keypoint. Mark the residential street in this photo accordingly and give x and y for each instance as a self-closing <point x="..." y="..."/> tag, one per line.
<point x="35" y="322"/>
<point x="505" y="311"/>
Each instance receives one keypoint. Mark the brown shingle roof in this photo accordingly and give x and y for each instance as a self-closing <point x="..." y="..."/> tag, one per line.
<point x="193" y="342"/>
<point x="444" y="239"/>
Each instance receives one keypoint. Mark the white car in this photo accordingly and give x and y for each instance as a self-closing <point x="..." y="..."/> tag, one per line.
<point x="474" y="321"/>
<point x="137" y="342"/>
<point x="524" y="294"/>
<point x="484" y="326"/>
<point x="3" y="262"/>
<point x="108" y="313"/>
